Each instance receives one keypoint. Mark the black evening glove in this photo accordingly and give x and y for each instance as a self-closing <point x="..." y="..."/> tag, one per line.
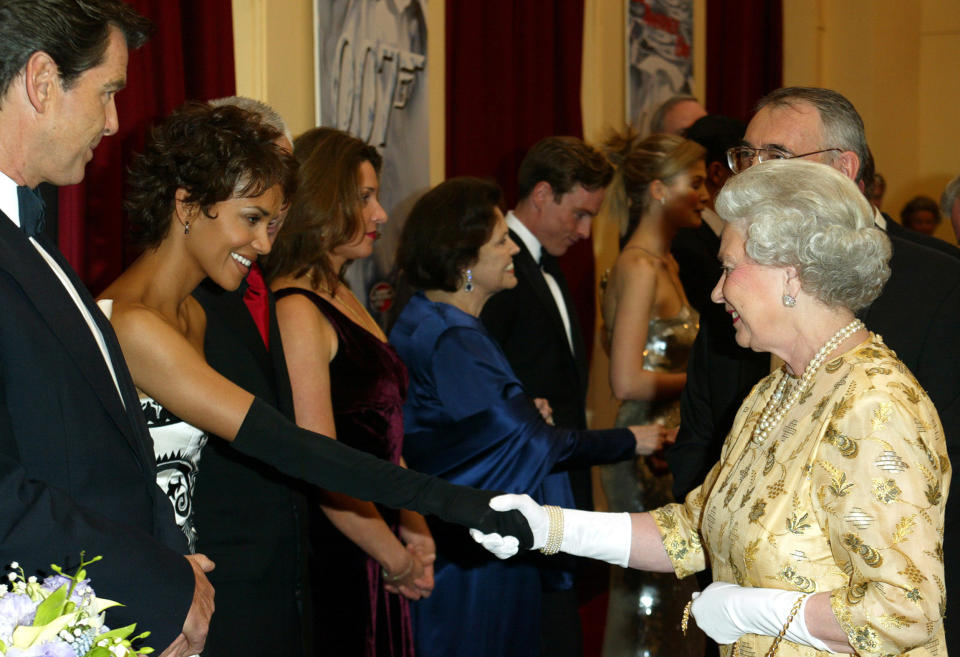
<point x="268" y="436"/>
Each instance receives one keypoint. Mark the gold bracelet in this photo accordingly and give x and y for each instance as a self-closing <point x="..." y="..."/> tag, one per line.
<point x="783" y="631"/>
<point x="685" y="620"/>
<point x="555" y="533"/>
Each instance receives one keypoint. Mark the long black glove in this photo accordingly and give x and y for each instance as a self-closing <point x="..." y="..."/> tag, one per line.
<point x="268" y="436"/>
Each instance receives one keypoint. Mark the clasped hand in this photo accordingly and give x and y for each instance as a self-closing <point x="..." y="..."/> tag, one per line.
<point x="504" y="547"/>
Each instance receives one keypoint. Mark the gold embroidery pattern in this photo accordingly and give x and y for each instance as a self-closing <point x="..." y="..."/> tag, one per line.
<point x="866" y="469"/>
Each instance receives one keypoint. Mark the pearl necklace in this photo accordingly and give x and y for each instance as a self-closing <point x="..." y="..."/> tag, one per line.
<point x="774" y="410"/>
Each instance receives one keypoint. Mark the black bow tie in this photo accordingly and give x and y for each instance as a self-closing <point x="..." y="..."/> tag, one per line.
<point x="31" y="211"/>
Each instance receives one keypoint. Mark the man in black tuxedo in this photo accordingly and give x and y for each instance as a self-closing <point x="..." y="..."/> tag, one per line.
<point x="917" y="314"/>
<point x="252" y="519"/>
<point x="77" y="470"/>
<point x="561" y="185"/>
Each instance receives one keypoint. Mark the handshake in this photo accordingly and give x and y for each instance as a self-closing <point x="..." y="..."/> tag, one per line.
<point x="604" y="536"/>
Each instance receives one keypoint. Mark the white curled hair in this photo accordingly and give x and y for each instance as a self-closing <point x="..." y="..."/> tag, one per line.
<point x="811" y="217"/>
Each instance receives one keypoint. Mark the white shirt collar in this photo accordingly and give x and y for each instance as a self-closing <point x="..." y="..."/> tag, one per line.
<point x="529" y="239"/>
<point x="879" y="219"/>
<point x="8" y="198"/>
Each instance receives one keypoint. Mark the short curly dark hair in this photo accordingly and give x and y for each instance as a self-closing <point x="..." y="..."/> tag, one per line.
<point x="444" y="232"/>
<point x="214" y="153"/>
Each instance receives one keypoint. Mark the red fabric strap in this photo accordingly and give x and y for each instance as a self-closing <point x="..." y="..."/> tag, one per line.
<point x="257" y="302"/>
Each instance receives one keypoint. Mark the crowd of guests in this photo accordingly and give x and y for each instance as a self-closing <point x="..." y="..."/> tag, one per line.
<point x="781" y="351"/>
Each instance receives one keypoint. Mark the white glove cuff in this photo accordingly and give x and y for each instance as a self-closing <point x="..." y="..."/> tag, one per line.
<point x="604" y="536"/>
<point x="798" y="632"/>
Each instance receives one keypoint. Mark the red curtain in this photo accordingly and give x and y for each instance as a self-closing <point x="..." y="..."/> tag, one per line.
<point x="189" y="57"/>
<point x="513" y="77"/>
<point x="744" y="54"/>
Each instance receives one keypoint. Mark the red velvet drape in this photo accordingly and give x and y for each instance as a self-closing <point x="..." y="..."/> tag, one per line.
<point x="744" y="54"/>
<point x="189" y="57"/>
<point x="513" y="77"/>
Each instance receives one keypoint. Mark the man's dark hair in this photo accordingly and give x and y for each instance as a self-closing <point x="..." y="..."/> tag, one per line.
<point x="716" y="133"/>
<point x="918" y="204"/>
<point x="75" y="33"/>
<point x="563" y="162"/>
<point x="842" y="125"/>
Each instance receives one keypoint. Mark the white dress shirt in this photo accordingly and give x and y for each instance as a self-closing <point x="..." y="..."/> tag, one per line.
<point x="10" y="206"/>
<point x="535" y="248"/>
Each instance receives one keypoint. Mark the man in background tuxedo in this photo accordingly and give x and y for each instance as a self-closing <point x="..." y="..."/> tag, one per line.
<point x="251" y="519"/>
<point x="561" y="185"/>
<point x="917" y="313"/>
<point x="77" y="471"/>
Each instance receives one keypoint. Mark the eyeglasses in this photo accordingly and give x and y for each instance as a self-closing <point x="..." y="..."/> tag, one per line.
<point x="741" y="158"/>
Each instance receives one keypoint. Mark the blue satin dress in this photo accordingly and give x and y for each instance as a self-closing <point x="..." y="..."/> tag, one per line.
<point x="468" y="420"/>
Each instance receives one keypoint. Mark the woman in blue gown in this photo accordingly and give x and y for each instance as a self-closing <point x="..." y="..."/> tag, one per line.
<point x="467" y="420"/>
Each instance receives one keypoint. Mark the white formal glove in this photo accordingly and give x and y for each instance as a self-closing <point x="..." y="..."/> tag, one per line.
<point x="604" y="536"/>
<point x="536" y="515"/>
<point x="726" y="612"/>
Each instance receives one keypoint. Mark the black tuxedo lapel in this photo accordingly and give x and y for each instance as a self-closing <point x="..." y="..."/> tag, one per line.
<point x="45" y="291"/>
<point x="239" y="319"/>
<point x="552" y="267"/>
<point x="530" y="270"/>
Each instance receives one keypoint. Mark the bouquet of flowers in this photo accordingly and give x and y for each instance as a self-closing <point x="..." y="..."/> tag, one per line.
<point x="59" y="617"/>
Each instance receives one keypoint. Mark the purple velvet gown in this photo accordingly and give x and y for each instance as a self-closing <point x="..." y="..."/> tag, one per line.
<point x="368" y="382"/>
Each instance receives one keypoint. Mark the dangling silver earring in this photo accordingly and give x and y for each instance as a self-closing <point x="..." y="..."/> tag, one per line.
<point x="186" y="228"/>
<point x="789" y="301"/>
<point x="468" y="286"/>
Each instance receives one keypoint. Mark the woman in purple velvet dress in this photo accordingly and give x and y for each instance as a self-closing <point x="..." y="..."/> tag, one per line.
<point x="348" y="383"/>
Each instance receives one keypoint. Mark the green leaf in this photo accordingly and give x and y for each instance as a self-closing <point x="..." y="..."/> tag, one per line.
<point x="120" y="632"/>
<point x="52" y="607"/>
<point x="98" y="651"/>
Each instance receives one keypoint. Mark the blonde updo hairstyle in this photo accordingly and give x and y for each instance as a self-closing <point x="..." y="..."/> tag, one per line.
<point x="638" y="163"/>
<point x="809" y="216"/>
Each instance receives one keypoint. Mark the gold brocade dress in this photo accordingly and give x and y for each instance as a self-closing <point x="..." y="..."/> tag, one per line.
<point x="643" y="615"/>
<point x="847" y="495"/>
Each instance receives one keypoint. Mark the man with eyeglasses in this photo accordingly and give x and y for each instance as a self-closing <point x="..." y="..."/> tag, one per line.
<point x="917" y="314"/>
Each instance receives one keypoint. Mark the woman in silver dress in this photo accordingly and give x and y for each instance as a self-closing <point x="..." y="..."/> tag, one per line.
<point x="650" y="331"/>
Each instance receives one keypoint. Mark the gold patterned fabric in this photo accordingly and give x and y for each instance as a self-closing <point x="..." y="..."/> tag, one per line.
<point x="846" y="495"/>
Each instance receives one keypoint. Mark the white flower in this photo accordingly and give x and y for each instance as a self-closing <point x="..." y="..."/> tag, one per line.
<point x="12" y="576"/>
<point x="14" y="565"/>
<point x="32" y="579"/>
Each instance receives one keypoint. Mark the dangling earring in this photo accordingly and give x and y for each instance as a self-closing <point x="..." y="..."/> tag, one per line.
<point x="789" y="301"/>
<point x="468" y="286"/>
<point x="186" y="228"/>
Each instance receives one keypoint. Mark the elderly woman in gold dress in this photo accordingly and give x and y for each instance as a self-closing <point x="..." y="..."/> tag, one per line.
<point x="823" y="520"/>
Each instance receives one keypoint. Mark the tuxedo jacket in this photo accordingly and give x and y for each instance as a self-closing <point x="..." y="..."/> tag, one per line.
<point x="77" y="470"/>
<point x="695" y="250"/>
<point x="526" y="323"/>
<point x="250" y="518"/>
